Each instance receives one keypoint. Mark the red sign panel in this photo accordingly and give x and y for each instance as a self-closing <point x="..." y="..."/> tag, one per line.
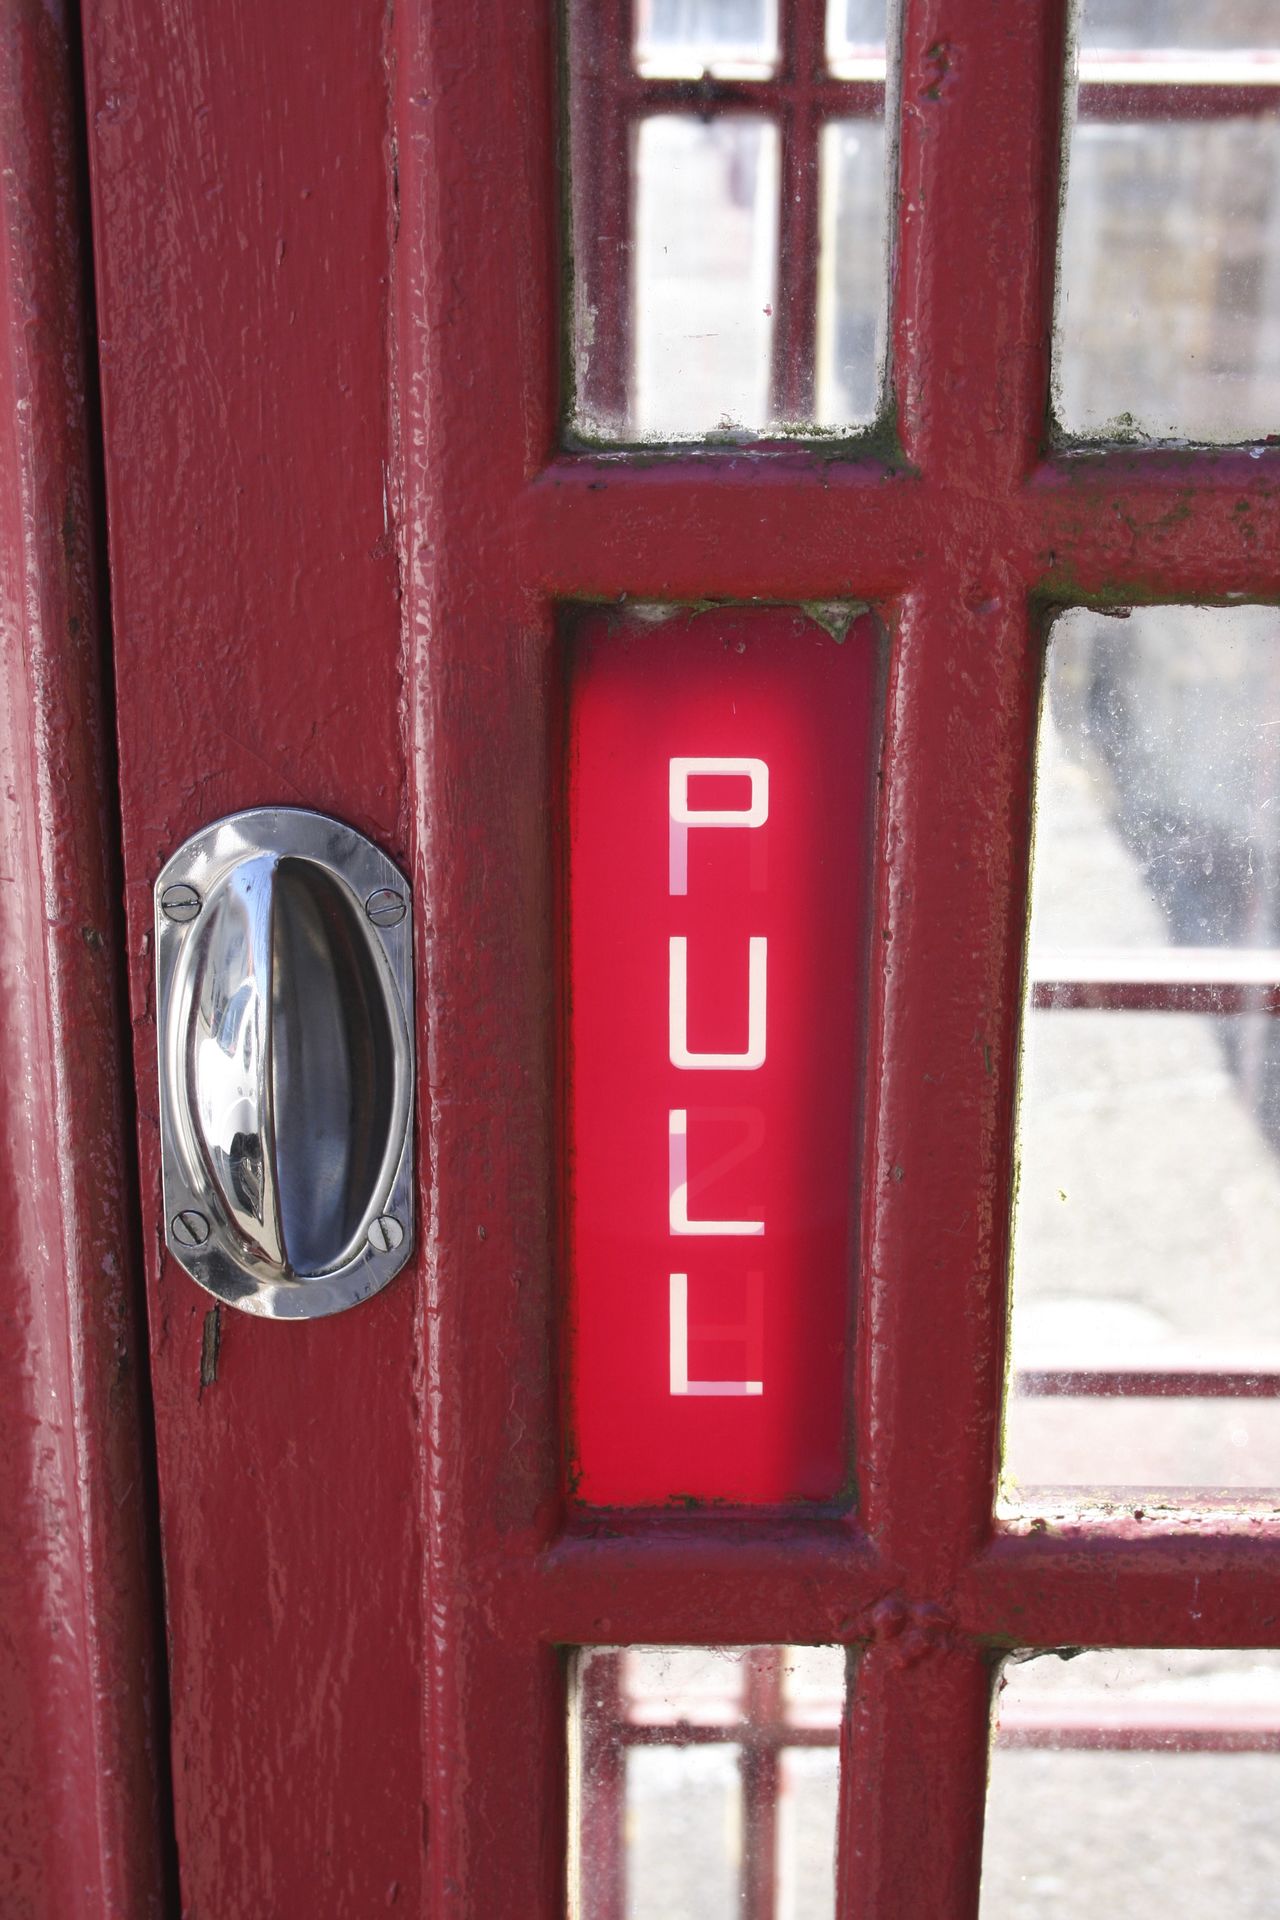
<point x="719" y="803"/>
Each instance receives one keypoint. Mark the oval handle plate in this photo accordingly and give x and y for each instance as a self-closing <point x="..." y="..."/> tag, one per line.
<point x="284" y="978"/>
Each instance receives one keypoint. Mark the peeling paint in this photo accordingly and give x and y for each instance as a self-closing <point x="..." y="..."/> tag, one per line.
<point x="210" y="1346"/>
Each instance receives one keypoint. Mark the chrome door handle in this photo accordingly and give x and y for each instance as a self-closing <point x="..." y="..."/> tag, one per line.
<point x="285" y="1014"/>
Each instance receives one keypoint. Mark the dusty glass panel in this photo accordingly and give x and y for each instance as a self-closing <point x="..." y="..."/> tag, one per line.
<point x="1146" y="1320"/>
<point x="1169" y="296"/>
<point x="851" y="303"/>
<point x="704" y="1782"/>
<point x="683" y="39"/>
<point x="706" y="265"/>
<point x="1198" y="25"/>
<point x="1135" y="1783"/>
<point x="728" y="273"/>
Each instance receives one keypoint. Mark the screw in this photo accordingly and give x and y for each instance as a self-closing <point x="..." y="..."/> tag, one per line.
<point x="189" y="1228"/>
<point x="385" y="1233"/>
<point x="180" y="902"/>
<point x="385" y="907"/>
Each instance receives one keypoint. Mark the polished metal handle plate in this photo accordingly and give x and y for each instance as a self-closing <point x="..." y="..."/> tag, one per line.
<point x="284" y="950"/>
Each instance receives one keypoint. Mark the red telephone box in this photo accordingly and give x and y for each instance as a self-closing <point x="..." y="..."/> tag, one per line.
<point x="356" y="565"/>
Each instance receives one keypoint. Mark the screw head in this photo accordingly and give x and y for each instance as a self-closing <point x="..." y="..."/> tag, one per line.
<point x="189" y="1228"/>
<point x="385" y="1233"/>
<point x="180" y="901"/>
<point x="385" y="907"/>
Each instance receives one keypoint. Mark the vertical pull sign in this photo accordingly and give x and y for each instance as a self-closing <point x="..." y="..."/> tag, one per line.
<point x="719" y="779"/>
<point x="285" y="1012"/>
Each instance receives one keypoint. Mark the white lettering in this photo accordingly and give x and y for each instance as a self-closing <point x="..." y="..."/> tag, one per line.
<point x="750" y="1334"/>
<point x="678" y="1171"/>
<point x="678" y="1011"/>
<point x="683" y="816"/>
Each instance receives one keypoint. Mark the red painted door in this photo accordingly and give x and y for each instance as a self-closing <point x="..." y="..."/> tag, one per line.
<point x="356" y="565"/>
<point x="242" y="164"/>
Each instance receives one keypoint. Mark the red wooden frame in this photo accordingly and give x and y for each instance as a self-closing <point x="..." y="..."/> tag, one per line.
<point x="408" y="1710"/>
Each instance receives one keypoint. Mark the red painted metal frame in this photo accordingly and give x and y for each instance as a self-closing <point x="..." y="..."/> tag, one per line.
<point x="1173" y="100"/>
<point x="802" y="25"/>
<point x="372" y="1580"/>
<point x="82" y="1815"/>
<point x="965" y="541"/>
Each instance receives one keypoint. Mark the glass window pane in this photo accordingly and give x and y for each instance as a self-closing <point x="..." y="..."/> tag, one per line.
<point x="1178" y="24"/>
<point x="1169" y="322"/>
<point x="701" y="1774"/>
<point x="684" y="1833"/>
<point x="808" y="1787"/>
<point x="855" y="37"/>
<point x="683" y="39"/>
<point x="1170" y="279"/>
<point x="1135" y="1783"/>
<point x="705" y="266"/>
<point x="851" y="272"/>
<point x="1146" y="1327"/>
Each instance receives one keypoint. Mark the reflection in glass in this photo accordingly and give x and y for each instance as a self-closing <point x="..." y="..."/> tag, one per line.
<point x="728" y="219"/>
<point x="705" y="1781"/>
<point x="1135" y="1783"/>
<point x="855" y="37"/>
<point x="683" y="39"/>
<point x="1170" y="317"/>
<point x="1193" y="25"/>
<point x="1169" y="322"/>
<point x="808" y="1787"/>
<point x="1146" y="1325"/>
